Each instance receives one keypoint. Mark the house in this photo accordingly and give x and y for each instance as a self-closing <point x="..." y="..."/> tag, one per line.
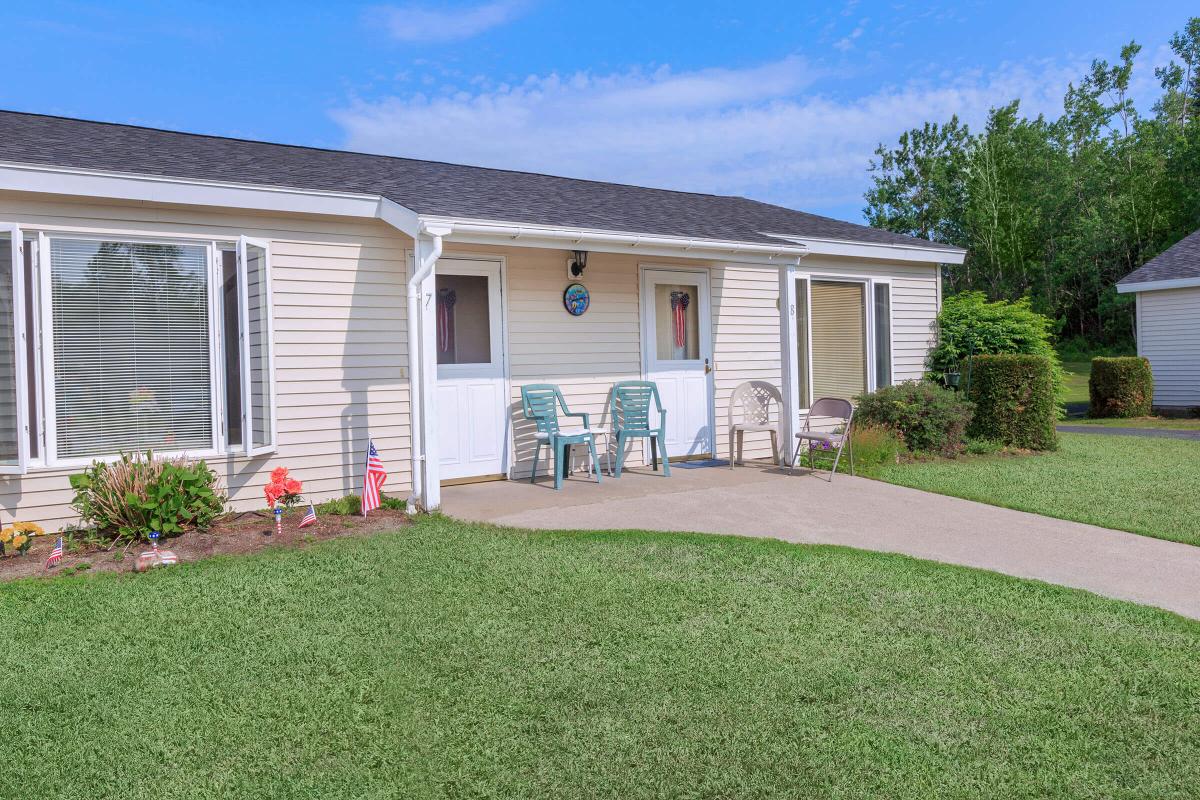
<point x="260" y="305"/>
<point x="1167" y="288"/>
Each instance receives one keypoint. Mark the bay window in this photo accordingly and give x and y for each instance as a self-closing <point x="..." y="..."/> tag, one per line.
<point x="127" y="344"/>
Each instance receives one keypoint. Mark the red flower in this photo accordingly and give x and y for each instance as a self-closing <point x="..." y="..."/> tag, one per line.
<point x="292" y="486"/>
<point x="279" y="475"/>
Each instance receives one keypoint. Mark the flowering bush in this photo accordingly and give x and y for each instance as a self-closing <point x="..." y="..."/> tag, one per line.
<point x="16" y="538"/>
<point x="282" y="489"/>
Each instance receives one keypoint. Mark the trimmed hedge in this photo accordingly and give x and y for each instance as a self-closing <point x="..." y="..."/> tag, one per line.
<point x="929" y="418"/>
<point x="1014" y="401"/>
<point x="1120" y="387"/>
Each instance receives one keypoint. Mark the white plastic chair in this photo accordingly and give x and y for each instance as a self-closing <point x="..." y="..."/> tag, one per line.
<point x="754" y="400"/>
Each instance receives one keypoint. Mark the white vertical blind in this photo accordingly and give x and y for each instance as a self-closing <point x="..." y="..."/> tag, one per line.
<point x="257" y="346"/>
<point x="839" y="340"/>
<point x="131" y="346"/>
<point x="9" y="424"/>
<point x="883" y="334"/>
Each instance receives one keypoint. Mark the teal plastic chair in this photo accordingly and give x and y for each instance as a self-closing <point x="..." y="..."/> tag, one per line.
<point x="632" y="420"/>
<point x="541" y="402"/>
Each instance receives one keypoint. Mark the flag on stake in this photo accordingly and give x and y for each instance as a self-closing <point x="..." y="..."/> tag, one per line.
<point x="310" y="516"/>
<point x="56" y="554"/>
<point x="372" y="480"/>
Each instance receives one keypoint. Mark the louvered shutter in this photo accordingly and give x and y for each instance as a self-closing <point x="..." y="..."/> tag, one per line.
<point x="131" y="345"/>
<point x="14" y="438"/>
<point x="839" y="362"/>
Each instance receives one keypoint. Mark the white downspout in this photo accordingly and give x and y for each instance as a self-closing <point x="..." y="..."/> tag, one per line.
<point x="424" y="267"/>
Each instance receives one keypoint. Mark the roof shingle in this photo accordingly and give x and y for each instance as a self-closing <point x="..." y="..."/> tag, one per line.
<point x="1181" y="260"/>
<point x="426" y="187"/>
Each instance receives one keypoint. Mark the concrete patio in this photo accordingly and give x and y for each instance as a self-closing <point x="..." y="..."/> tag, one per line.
<point x="760" y="500"/>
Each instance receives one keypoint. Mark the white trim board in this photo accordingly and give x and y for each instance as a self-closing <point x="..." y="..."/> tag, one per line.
<point x="1151" y="286"/>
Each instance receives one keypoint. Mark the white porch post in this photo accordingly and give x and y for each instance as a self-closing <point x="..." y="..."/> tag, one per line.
<point x="431" y="480"/>
<point x="787" y="347"/>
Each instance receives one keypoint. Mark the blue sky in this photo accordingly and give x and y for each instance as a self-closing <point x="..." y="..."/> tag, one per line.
<point x="780" y="101"/>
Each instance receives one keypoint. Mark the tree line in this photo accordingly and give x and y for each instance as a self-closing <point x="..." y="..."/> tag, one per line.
<point x="1057" y="210"/>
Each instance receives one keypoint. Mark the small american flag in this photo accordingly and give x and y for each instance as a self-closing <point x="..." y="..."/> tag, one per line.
<point x="373" y="480"/>
<point x="56" y="554"/>
<point x="310" y="516"/>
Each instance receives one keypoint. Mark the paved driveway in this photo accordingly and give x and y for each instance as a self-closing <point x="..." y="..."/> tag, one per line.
<point x="755" y="501"/>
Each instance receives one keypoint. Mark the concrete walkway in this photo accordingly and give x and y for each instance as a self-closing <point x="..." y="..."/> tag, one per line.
<point x="1149" y="433"/>
<point x="764" y="501"/>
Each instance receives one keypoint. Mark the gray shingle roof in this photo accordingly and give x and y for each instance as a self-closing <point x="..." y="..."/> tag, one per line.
<point x="1181" y="260"/>
<point x="426" y="187"/>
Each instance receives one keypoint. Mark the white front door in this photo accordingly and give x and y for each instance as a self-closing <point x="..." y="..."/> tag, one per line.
<point x="677" y="355"/>
<point x="472" y="411"/>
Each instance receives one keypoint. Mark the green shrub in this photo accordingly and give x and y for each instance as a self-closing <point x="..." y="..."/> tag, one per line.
<point x="1014" y="401"/>
<point x="352" y="504"/>
<point x="1120" y="387"/>
<point x="874" y="446"/>
<point x="970" y="325"/>
<point x="134" y="495"/>
<point x="928" y="418"/>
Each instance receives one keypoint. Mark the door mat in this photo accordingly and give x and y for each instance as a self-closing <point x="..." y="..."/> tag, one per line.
<point x="710" y="462"/>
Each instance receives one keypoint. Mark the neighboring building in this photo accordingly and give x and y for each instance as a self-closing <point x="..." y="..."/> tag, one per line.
<point x="263" y="305"/>
<point x="1168" y="321"/>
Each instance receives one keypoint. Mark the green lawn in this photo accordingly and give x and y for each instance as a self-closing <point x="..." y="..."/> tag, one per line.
<point x="1161" y="423"/>
<point x="449" y="660"/>
<point x="1147" y="486"/>
<point x="1078" y="373"/>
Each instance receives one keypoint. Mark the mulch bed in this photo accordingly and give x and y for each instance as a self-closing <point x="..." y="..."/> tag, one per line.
<point x="245" y="532"/>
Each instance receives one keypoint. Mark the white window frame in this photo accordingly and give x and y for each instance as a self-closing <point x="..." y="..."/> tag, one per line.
<point x="244" y="328"/>
<point x="218" y="446"/>
<point x="19" y="349"/>
<point x="790" y="298"/>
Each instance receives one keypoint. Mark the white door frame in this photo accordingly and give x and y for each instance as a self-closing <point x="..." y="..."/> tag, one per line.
<point x="703" y="314"/>
<point x="451" y="263"/>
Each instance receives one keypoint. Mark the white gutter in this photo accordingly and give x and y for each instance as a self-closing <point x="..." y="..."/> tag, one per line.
<point x="424" y="268"/>
<point x="539" y="235"/>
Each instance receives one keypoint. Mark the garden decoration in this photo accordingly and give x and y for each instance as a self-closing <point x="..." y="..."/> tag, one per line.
<point x="278" y="520"/>
<point x="56" y="554"/>
<point x="310" y="516"/>
<point x="576" y="299"/>
<point x="16" y="539"/>
<point x="148" y="559"/>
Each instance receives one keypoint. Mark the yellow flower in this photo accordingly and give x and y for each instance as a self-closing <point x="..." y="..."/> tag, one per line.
<point x="6" y="535"/>
<point x="31" y="528"/>
<point x="19" y="541"/>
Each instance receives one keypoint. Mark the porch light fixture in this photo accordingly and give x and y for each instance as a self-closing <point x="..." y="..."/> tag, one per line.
<point x="577" y="265"/>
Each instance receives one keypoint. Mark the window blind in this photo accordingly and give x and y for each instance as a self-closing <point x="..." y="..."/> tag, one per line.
<point x="9" y="431"/>
<point x="839" y="341"/>
<point x="131" y="347"/>
<point x="258" y="348"/>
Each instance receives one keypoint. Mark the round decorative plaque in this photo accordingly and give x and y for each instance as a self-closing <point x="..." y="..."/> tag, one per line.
<point x="576" y="299"/>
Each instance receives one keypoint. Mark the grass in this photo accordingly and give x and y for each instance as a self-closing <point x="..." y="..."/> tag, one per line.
<point x="450" y="660"/>
<point x="1160" y="423"/>
<point x="1077" y="373"/>
<point x="1146" y="486"/>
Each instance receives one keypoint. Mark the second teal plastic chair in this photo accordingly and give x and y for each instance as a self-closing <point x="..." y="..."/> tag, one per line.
<point x="632" y="418"/>
<point x="540" y="402"/>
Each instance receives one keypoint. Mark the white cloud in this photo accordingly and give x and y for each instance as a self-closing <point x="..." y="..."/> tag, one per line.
<point x="417" y="23"/>
<point x="763" y="131"/>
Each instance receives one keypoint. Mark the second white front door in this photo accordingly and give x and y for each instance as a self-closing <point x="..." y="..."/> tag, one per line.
<point x="472" y="410"/>
<point x="677" y="355"/>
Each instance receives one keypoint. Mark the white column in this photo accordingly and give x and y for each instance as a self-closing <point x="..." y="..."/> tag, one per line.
<point x="431" y="488"/>
<point x="788" y="361"/>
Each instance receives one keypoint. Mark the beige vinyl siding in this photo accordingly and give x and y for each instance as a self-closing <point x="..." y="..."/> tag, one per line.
<point x="1169" y="335"/>
<point x="340" y="344"/>
<point x="746" y="336"/>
